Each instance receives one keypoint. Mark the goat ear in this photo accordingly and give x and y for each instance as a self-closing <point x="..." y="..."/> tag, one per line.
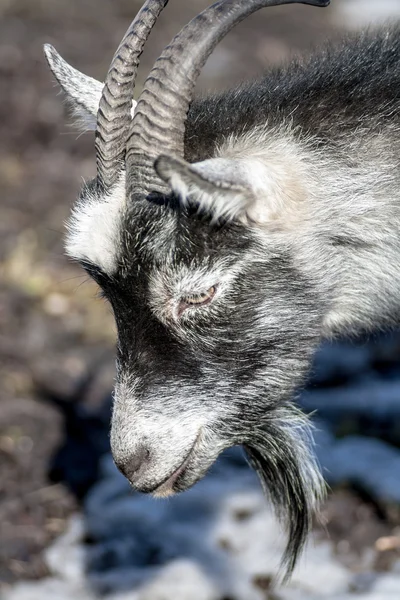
<point x="83" y="93"/>
<point x="244" y="189"/>
<point x="215" y="185"/>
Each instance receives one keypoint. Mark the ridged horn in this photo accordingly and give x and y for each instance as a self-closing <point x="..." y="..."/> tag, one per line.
<point x="114" y="115"/>
<point x="158" y="126"/>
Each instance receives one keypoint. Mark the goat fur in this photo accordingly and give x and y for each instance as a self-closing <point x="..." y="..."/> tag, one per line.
<point x="288" y="203"/>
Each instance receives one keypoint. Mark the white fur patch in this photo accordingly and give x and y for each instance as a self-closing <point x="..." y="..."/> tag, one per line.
<point x="274" y="170"/>
<point x="94" y="228"/>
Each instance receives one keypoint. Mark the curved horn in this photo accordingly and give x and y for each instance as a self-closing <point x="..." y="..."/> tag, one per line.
<point x="158" y="126"/>
<point x="114" y="115"/>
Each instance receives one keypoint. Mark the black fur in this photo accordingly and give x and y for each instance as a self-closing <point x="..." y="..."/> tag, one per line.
<point x="327" y="95"/>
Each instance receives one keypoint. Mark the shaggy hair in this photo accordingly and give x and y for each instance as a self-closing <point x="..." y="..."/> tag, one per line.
<point x="281" y="226"/>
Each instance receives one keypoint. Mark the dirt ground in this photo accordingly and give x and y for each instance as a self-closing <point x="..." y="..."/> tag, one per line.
<point x="53" y="327"/>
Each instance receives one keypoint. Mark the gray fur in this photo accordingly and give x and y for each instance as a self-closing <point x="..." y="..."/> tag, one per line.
<point x="287" y="207"/>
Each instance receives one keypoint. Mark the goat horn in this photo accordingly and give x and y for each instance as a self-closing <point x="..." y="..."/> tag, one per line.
<point x="158" y="126"/>
<point x="114" y="114"/>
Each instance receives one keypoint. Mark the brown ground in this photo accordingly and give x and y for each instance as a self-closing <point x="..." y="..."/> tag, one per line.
<point x="52" y="326"/>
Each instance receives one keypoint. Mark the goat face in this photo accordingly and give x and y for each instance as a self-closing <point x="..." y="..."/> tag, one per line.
<point x="215" y="328"/>
<point x="215" y="323"/>
<point x="210" y="328"/>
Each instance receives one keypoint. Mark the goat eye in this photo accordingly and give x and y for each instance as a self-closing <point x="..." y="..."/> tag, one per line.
<point x="197" y="299"/>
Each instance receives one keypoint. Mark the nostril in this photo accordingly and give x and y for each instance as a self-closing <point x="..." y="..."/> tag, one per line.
<point x="131" y="466"/>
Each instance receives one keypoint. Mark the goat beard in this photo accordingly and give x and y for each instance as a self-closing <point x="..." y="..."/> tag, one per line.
<point x="280" y="451"/>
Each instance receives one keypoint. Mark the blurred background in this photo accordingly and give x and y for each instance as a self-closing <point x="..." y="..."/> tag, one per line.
<point x="69" y="525"/>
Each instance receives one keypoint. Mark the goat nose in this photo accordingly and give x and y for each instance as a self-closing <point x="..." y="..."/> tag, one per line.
<point x="135" y="464"/>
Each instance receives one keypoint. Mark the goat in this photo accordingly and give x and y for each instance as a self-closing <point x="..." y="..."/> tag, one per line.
<point x="230" y="234"/>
